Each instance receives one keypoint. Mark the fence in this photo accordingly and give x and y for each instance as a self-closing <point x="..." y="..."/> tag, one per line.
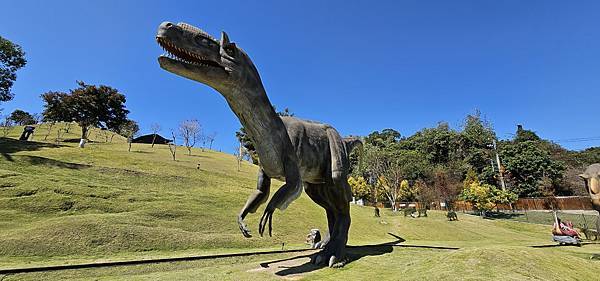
<point x="525" y="204"/>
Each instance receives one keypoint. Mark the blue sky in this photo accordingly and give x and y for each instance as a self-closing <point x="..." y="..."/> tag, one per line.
<point x="358" y="65"/>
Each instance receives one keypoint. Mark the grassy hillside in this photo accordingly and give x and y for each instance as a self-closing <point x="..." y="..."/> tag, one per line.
<point x="62" y="204"/>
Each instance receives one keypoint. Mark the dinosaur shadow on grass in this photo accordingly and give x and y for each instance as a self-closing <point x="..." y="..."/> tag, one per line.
<point x="9" y="146"/>
<point x="354" y="253"/>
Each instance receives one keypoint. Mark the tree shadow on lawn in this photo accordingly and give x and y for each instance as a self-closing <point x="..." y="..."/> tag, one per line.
<point x="9" y="146"/>
<point x="37" y="160"/>
<point x="354" y="253"/>
<point x="502" y="216"/>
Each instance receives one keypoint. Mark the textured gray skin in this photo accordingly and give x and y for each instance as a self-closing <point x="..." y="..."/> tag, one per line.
<point x="591" y="176"/>
<point x="302" y="153"/>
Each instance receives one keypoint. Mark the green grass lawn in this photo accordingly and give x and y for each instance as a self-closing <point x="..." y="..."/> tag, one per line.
<point x="60" y="204"/>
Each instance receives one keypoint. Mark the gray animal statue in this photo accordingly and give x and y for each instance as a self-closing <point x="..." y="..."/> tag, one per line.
<point x="304" y="154"/>
<point x="27" y="132"/>
<point x="313" y="237"/>
<point x="591" y="178"/>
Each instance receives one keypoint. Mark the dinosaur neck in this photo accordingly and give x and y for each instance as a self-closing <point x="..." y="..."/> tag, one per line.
<point x="256" y="114"/>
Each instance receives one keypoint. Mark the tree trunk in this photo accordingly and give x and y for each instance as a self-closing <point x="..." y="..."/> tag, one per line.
<point x="153" y="139"/>
<point x="129" y="149"/>
<point x="49" y="129"/>
<point x="189" y="151"/>
<point x="84" y="130"/>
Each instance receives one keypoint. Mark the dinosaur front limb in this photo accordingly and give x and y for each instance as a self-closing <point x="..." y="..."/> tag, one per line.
<point x="287" y="193"/>
<point x="256" y="199"/>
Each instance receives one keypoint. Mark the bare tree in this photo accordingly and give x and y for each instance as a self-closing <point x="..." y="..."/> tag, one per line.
<point x="68" y="126"/>
<point x="210" y="139"/>
<point x="190" y="132"/>
<point x="49" y="125"/>
<point x="173" y="145"/>
<point x="155" y="128"/>
<point x="240" y="153"/>
<point x="390" y="182"/>
<point x="7" y="125"/>
<point x="59" y="135"/>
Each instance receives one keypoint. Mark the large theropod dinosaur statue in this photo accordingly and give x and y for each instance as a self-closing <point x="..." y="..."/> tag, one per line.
<point x="302" y="153"/>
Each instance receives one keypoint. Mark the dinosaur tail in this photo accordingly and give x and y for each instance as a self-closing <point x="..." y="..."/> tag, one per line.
<point x="352" y="143"/>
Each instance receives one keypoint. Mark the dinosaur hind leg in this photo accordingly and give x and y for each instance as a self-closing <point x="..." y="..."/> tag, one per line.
<point x="332" y="199"/>
<point x="313" y="191"/>
<point x="256" y="199"/>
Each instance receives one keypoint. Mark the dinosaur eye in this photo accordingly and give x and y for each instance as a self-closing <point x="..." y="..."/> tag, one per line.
<point x="202" y="41"/>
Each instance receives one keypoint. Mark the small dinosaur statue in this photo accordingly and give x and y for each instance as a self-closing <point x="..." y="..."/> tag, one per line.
<point x="304" y="154"/>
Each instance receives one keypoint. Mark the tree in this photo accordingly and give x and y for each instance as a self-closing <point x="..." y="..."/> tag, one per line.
<point x="189" y="130"/>
<point x="527" y="164"/>
<point x="155" y="128"/>
<point x="247" y="143"/>
<point x="7" y="125"/>
<point x="21" y="118"/>
<point x="173" y="145"/>
<point x="12" y="58"/>
<point x="437" y="144"/>
<point x="383" y="139"/>
<point x="210" y="139"/>
<point x="447" y="185"/>
<point x="360" y="188"/>
<point x="486" y="197"/>
<point x="129" y="129"/>
<point x="475" y="142"/>
<point x="88" y="105"/>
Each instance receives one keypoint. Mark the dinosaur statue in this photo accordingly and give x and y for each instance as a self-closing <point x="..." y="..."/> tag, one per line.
<point x="304" y="154"/>
<point x="591" y="177"/>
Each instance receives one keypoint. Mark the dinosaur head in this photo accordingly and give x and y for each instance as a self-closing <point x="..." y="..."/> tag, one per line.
<point x="194" y="54"/>
<point x="591" y="177"/>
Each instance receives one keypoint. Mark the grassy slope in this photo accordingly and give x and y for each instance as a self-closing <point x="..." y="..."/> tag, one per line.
<point x="64" y="204"/>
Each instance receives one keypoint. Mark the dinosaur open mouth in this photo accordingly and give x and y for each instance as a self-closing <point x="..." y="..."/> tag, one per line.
<point x="182" y="55"/>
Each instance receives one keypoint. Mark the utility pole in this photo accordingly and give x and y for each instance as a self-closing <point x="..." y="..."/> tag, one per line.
<point x="500" y="170"/>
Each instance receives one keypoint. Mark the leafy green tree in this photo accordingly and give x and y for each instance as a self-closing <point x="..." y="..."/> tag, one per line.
<point x="20" y="118"/>
<point x="486" y="197"/>
<point x="525" y="135"/>
<point x="360" y="188"/>
<point x="88" y="105"/>
<point x="408" y="192"/>
<point x="384" y="138"/>
<point x="128" y="129"/>
<point x="437" y="144"/>
<point x="12" y="58"/>
<point x="527" y="164"/>
<point x="475" y="142"/>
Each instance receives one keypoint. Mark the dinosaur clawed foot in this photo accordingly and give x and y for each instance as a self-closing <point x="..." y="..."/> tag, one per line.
<point x="243" y="228"/>
<point x="330" y="256"/>
<point x="321" y="244"/>
<point x="267" y="218"/>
